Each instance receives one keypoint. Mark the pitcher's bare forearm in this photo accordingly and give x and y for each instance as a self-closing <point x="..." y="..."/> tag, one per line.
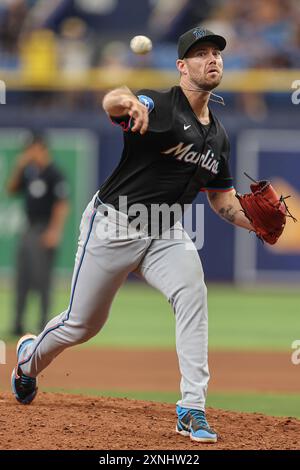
<point x="122" y="102"/>
<point x="114" y="102"/>
<point x="227" y="206"/>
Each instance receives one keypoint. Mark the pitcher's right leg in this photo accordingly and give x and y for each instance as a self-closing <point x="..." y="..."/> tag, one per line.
<point x="101" y="267"/>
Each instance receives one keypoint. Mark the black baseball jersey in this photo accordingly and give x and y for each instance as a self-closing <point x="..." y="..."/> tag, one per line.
<point x="156" y="167"/>
<point x="42" y="188"/>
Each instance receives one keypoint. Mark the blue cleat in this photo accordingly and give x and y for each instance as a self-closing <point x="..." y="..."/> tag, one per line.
<point x="23" y="387"/>
<point x="193" y="423"/>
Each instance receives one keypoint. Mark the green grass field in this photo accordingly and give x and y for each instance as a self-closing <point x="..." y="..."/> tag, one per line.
<point x="269" y="404"/>
<point x="238" y="319"/>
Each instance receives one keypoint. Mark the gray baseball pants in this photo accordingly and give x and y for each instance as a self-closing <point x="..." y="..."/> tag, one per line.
<point x="101" y="266"/>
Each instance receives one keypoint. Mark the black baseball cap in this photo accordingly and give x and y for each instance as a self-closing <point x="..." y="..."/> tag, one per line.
<point x="195" y="35"/>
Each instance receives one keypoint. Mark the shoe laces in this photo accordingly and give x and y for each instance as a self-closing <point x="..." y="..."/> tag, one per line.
<point x="199" y="416"/>
<point x="27" y="381"/>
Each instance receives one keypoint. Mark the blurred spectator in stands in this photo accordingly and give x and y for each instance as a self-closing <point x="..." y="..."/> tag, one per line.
<point x="114" y="55"/>
<point x="114" y="63"/>
<point x="259" y="32"/>
<point x="169" y="19"/>
<point x="12" y="17"/>
<point x="260" y="35"/>
<point x="164" y="13"/>
<point x="45" y="192"/>
<point x="75" y="50"/>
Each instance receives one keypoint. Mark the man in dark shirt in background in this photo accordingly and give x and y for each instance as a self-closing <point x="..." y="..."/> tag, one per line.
<point x="45" y="194"/>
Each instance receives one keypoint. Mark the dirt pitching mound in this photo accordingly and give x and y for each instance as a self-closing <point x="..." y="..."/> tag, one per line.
<point x="58" y="421"/>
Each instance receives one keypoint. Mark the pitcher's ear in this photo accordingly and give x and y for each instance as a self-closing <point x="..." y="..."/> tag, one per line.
<point x="181" y="66"/>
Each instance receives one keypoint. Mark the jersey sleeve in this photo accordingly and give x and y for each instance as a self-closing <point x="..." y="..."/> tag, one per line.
<point x="224" y="180"/>
<point x="126" y="121"/>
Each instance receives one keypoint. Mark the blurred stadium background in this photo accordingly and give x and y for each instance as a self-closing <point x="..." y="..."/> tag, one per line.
<point x="58" y="58"/>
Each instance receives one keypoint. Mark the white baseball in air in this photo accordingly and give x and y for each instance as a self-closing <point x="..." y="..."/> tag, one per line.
<point x="141" y="45"/>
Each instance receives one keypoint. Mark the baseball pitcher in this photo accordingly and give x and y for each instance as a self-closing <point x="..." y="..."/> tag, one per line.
<point x="174" y="146"/>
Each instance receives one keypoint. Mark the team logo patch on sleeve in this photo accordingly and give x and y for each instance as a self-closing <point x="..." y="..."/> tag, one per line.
<point x="147" y="101"/>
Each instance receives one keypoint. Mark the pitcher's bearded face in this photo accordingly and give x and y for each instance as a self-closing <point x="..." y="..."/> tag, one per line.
<point x="203" y="66"/>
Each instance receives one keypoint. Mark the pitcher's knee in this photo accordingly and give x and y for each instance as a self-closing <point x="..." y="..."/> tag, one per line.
<point x="193" y="289"/>
<point x="190" y="300"/>
<point x="86" y="334"/>
<point x="77" y="334"/>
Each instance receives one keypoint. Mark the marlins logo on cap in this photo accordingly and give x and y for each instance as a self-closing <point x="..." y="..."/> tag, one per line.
<point x="199" y="33"/>
<point x="195" y="35"/>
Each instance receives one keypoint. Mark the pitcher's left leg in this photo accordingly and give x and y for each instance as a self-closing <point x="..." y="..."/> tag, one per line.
<point x="174" y="267"/>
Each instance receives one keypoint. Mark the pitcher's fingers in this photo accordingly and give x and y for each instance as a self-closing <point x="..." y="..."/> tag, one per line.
<point x="137" y="124"/>
<point x="145" y="124"/>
